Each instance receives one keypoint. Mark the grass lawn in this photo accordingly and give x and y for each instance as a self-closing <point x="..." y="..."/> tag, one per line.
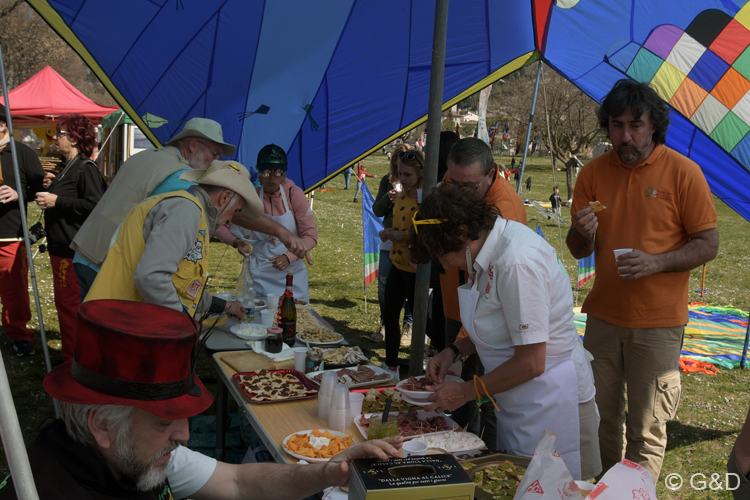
<point x="712" y="408"/>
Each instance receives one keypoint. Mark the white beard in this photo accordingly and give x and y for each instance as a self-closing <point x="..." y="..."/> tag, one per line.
<point x="145" y="475"/>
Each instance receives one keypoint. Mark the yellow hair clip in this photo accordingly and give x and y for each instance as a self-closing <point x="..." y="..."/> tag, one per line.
<point x="425" y="221"/>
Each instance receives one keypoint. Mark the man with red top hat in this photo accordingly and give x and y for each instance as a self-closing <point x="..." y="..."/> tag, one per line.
<point x="124" y="401"/>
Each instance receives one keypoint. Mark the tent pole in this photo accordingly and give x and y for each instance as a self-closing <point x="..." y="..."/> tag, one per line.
<point x="531" y="122"/>
<point x="743" y="360"/>
<point x="434" y="112"/>
<point x="10" y="430"/>
<point x="111" y="131"/>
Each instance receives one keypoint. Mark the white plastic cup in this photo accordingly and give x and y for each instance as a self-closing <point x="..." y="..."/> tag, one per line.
<point x="325" y="393"/>
<point x="355" y="405"/>
<point x="300" y="357"/>
<point x="413" y="448"/>
<point x="619" y="252"/>
<point x="273" y="301"/>
<point x="337" y="420"/>
<point x="267" y="316"/>
<point x="340" y="399"/>
<point x="259" y="345"/>
<point x="398" y="187"/>
<point x="419" y="195"/>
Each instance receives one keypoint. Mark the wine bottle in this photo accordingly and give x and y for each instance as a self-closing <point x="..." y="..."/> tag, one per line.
<point x="288" y="312"/>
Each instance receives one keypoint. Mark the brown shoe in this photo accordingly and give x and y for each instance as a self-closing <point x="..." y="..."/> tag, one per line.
<point x="406" y="334"/>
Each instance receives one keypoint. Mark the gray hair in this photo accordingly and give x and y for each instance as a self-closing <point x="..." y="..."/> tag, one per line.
<point x="467" y="152"/>
<point x="76" y="418"/>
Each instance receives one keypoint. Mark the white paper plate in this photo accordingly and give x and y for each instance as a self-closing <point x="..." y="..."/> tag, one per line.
<point x="376" y="383"/>
<point x="249" y="331"/>
<point x="320" y="343"/>
<point x="308" y="432"/>
<point x="420" y="397"/>
<point x="421" y="414"/>
<point x="456" y="447"/>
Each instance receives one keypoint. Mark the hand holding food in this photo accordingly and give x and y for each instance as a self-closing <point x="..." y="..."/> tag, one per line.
<point x="596" y="206"/>
<point x="585" y="222"/>
<point x="235" y="310"/>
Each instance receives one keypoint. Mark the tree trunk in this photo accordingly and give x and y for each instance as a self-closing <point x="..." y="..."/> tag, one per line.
<point x="570" y="171"/>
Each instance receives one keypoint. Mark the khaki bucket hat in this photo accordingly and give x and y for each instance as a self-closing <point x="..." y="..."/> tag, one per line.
<point x="233" y="176"/>
<point x="208" y="129"/>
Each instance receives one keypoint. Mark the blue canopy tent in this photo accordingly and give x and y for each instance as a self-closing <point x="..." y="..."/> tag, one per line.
<point x="333" y="81"/>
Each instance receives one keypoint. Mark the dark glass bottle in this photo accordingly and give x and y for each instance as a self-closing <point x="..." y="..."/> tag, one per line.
<point x="288" y="312"/>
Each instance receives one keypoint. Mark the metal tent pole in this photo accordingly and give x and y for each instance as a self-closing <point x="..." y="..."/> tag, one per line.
<point x="531" y="122"/>
<point x="434" y="111"/>
<point x="112" y="131"/>
<point x="24" y="223"/>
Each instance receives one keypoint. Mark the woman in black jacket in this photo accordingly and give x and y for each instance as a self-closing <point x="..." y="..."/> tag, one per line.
<point x="72" y="195"/>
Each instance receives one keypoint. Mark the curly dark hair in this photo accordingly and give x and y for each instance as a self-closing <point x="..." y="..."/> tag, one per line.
<point x="639" y="98"/>
<point x="466" y="215"/>
<point x="81" y="130"/>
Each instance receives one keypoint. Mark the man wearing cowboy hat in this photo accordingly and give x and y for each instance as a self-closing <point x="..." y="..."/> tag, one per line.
<point x="161" y="252"/>
<point x="124" y="401"/>
<point x="156" y="171"/>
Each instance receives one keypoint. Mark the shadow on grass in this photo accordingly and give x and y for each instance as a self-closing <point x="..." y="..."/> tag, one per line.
<point x="343" y="303"/>
<point x="686" y="435"/>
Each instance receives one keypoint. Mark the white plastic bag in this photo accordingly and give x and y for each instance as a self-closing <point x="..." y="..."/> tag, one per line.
<point x="625" y="481"/>
<point x="547" y="477"/>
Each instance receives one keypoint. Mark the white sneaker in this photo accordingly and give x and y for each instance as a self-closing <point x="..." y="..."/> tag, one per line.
<point x="379" y="335"/>
<point x="395" y="375"/>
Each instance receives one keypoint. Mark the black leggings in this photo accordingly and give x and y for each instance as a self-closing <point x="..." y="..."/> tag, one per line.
<point x="398" y="287"/>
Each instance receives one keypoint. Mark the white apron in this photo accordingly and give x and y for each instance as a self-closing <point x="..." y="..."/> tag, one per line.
<point x="267" y="278"/>
<point x="549" y="401"/>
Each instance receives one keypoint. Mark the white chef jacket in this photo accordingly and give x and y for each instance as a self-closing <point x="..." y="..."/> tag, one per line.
<point x="525" y="297"/>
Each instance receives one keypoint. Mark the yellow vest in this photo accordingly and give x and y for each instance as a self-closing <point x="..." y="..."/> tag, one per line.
<point x="116" y="279"/>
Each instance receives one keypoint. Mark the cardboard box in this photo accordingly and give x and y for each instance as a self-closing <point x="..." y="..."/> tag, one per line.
<point x="430" y="477"/>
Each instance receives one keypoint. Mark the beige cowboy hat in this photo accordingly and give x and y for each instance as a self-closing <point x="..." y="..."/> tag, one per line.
<point x="208" y="129"/>
<point x="233" y="176"/>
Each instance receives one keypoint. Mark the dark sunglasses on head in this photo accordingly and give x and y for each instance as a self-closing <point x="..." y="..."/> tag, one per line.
<point x="407" y="155"/>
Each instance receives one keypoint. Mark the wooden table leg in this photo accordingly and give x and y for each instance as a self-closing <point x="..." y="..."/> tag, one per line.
<point x="221" y="418"/>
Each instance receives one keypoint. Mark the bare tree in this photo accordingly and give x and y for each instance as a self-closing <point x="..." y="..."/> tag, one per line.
<point x="569" y="113"/>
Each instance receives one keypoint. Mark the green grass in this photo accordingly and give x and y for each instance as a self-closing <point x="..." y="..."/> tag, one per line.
<point x="712" y="408"/>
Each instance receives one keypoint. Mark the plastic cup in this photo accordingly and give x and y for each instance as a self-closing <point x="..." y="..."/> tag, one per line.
<point x="258" y="345"/>
<point x="273" y="302"/>
<point x="300" y="357"/>
<point x="413" y="447"/>
<point x="355" y="404"/>
<point x="340" y="399"/>
<point x="267" y="316"/>
<point x="619" y="252"/>
<point x="398" y="187"/>
<point x="337" y="420"/>
<point x="325" y="393"/>
<point x="419" y="195"/>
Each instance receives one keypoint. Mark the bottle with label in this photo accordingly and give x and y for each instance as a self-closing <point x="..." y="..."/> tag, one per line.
<point x="288" y="312"/>
<point x="245" y="289"/>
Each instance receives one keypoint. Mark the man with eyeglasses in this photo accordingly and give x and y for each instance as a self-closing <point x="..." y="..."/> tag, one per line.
<point x="152" y="172"/>
<point x="472" y="167"/>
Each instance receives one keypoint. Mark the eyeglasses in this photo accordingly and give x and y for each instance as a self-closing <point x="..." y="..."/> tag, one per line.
<point x="60" y="133"/>
<point x="408" y="156"/>
<point x="216" y="154"/>
<point x="475" y="187"/>
<point x="267" y="173"/>
<point x="430" y="222"/>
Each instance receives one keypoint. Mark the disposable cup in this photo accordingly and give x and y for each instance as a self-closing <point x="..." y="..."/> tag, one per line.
<point x="413" y="447"/>
<point x="300" y="356"/>
<point x="398" y="187"/>
<point x="419" y="195"/>
<point x="267" y="316"/>
<point x="355" y="404"/>
<point x="259" y="345"/>
<point x="337" y="420"/>
<point x="340" y="399"/>
<point x="619" y="252"/>
<point x="324" y="394"/>
<point x="273" y="302"/>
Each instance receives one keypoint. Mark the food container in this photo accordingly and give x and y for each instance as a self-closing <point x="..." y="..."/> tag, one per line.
<point x="274" y="340"/>
<point x="314" y="360"/>
<point x="379" y="429"/>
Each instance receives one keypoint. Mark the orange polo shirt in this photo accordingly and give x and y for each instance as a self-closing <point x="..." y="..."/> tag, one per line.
<point x="652" y="207"/>
<point x="502" y="196"/>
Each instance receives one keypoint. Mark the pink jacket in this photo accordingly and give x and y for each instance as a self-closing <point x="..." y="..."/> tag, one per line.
<point x="274" y="205"/>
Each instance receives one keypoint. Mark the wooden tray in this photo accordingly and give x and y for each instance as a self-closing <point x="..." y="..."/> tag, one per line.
<point x="311" y="388"/>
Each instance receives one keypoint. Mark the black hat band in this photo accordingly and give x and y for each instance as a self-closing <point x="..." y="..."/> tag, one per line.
<point x="134" y="390"/>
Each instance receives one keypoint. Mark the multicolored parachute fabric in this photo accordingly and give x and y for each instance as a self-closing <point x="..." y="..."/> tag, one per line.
<point x="713" y="334"/>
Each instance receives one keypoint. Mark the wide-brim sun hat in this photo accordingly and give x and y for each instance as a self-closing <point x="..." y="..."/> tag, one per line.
<point x="208" y="129"/>
<point x="133" y="354"/>
<point x="233" y="176"/>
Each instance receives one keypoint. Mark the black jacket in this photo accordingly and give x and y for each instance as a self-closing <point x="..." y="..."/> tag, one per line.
<point x="32" y="176"/>
<point x="66" y="470"/>
<point x="78" y="187"/>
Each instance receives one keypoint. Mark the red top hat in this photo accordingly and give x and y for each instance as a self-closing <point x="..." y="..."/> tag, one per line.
<point x="133" y="354"/>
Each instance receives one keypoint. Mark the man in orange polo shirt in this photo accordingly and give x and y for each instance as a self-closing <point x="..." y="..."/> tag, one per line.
<point x="471" y="165"/>
<point x="659" y="205"/>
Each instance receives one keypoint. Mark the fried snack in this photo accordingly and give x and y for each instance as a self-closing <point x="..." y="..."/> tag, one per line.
<point x="300" y="444"/>
<point x="311" y="329"/>
<point x="596" y="206"/>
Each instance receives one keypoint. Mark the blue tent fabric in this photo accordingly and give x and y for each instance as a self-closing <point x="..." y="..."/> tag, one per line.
<point x="343" y="77"/>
